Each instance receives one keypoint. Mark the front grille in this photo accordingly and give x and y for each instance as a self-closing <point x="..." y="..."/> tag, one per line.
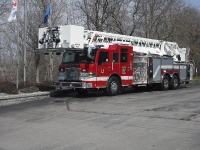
<point x="72" y="73"/>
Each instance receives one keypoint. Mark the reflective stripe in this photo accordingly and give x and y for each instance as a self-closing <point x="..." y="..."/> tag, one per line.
<point x="94" y="78"/>
<point x="176" y="67"/>
<point x="88" y="78"/>
<point x="166" y="67"/>
<point x="127" y="77"/>
<point x="104" y="78"/>
<point x="156" y="72"/>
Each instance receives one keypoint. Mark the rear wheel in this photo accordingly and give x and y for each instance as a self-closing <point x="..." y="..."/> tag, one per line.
<point x="82" y="91"/>
<point x="165" y="83"/>
<point x="113" y="87"/>
<point x="174" y="84"/>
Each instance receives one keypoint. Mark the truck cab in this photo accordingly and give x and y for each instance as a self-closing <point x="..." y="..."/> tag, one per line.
<point x="93" y="68"/>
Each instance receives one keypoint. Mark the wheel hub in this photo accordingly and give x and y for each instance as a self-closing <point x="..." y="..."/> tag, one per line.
<point x="113" y="87"/>
<point x="166" y="84"/>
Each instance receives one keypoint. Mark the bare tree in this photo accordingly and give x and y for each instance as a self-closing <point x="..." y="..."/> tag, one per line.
<point x="97" y="12"/>
<point x="35" y="14"/>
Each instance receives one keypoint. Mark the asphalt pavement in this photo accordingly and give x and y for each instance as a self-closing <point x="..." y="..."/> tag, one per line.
<point x="9" y="99"/>
<point x="134" y="120"/>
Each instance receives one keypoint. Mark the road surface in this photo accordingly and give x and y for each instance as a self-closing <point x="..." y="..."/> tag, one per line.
<point x="143" y="120"/>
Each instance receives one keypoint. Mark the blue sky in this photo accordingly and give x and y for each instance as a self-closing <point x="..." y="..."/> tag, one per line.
<point x="195" y="3"/>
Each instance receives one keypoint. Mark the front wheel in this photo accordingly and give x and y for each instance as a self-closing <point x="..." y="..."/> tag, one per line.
<point x="165" y="83"/>
<point x="113" y="87"/>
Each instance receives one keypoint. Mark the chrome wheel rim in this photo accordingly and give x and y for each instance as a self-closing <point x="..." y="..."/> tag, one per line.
<point x="166" y="83"/>
<point x="175" y="83"/>
<point x="113" y="87"/>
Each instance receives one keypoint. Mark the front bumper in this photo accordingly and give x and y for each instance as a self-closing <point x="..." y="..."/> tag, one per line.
<point x="71" y="85"/>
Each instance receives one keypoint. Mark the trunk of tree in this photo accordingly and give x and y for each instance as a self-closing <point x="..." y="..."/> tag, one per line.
<point x="37" y="75"/>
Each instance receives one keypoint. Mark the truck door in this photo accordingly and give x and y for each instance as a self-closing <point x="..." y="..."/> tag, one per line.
<point x="126" y="62"/>
<point x="103" y="68"/>
<point x="115" y="62"/>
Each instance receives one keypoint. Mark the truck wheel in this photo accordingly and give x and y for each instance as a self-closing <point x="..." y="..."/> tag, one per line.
<point x="165" y="83"/>
<point x="174" y="84"/>
<point x="82" y="91"/>
<point x="112" y="88"/>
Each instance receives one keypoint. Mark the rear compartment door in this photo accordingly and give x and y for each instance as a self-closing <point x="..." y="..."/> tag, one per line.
<point x="126" y="65"/>
<point x="156" y="69"/>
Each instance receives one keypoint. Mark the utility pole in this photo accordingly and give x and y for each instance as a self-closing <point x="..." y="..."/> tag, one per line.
<point x="25" y="18"/>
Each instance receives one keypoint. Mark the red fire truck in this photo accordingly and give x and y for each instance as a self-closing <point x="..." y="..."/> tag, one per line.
<point x="94" y="60"/>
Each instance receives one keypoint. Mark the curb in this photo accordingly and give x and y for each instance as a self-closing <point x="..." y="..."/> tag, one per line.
<point x="16" y="99"/>
<point x="23" y="95"/>
<point x="26" y="97"/>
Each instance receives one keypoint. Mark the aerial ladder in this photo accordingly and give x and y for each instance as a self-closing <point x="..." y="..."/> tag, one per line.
<point x="141" y="45"/>
<point x="70" y="36"/>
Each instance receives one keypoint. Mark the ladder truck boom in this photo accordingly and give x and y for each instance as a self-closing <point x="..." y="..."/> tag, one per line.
<point x="141" y="45"/>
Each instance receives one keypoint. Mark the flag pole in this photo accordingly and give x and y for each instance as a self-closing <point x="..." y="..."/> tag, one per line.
<point x="17" y="86"/>
<point x="25" y="18"/>
<point x="50" y="54"/>
<point x="50" y="14"/>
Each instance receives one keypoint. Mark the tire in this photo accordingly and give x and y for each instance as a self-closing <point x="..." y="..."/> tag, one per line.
<point x="121" y="89"/>
<point x="82" y="91"/>
<point x="165" y="83"/>
<point x="113" y="87"/>
<point x="175" y="83"/>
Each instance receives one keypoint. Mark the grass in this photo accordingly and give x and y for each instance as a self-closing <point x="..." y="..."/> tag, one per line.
<point x="196" y="79"/>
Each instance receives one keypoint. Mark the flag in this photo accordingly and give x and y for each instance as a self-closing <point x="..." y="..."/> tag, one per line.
<point x="13" y="14"/>
<point x="48" y="12"/>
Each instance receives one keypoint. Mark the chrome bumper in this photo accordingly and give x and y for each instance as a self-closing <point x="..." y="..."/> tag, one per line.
<point x="71" y="85"/>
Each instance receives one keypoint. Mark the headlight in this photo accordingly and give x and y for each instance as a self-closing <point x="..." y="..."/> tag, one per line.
<point x="88" y="74"/>
<point x="89" y="85"/>
<point x="61" y="73"/>
<point x="92" y="74"/>
<point x="61" y="76"/>
<point x="86" y="85"/>
<point x="84" y="74"/>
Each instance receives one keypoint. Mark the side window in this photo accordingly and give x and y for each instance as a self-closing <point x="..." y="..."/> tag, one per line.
<point x="103" y="57"/>
<point x="115" y="57"/>
<point x="124" y="55"/>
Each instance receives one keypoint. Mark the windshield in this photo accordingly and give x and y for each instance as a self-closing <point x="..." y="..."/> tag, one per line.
<point x="80" y="56"/>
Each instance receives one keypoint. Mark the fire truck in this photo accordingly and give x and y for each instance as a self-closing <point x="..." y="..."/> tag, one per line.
<point x="94" y="60"/>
